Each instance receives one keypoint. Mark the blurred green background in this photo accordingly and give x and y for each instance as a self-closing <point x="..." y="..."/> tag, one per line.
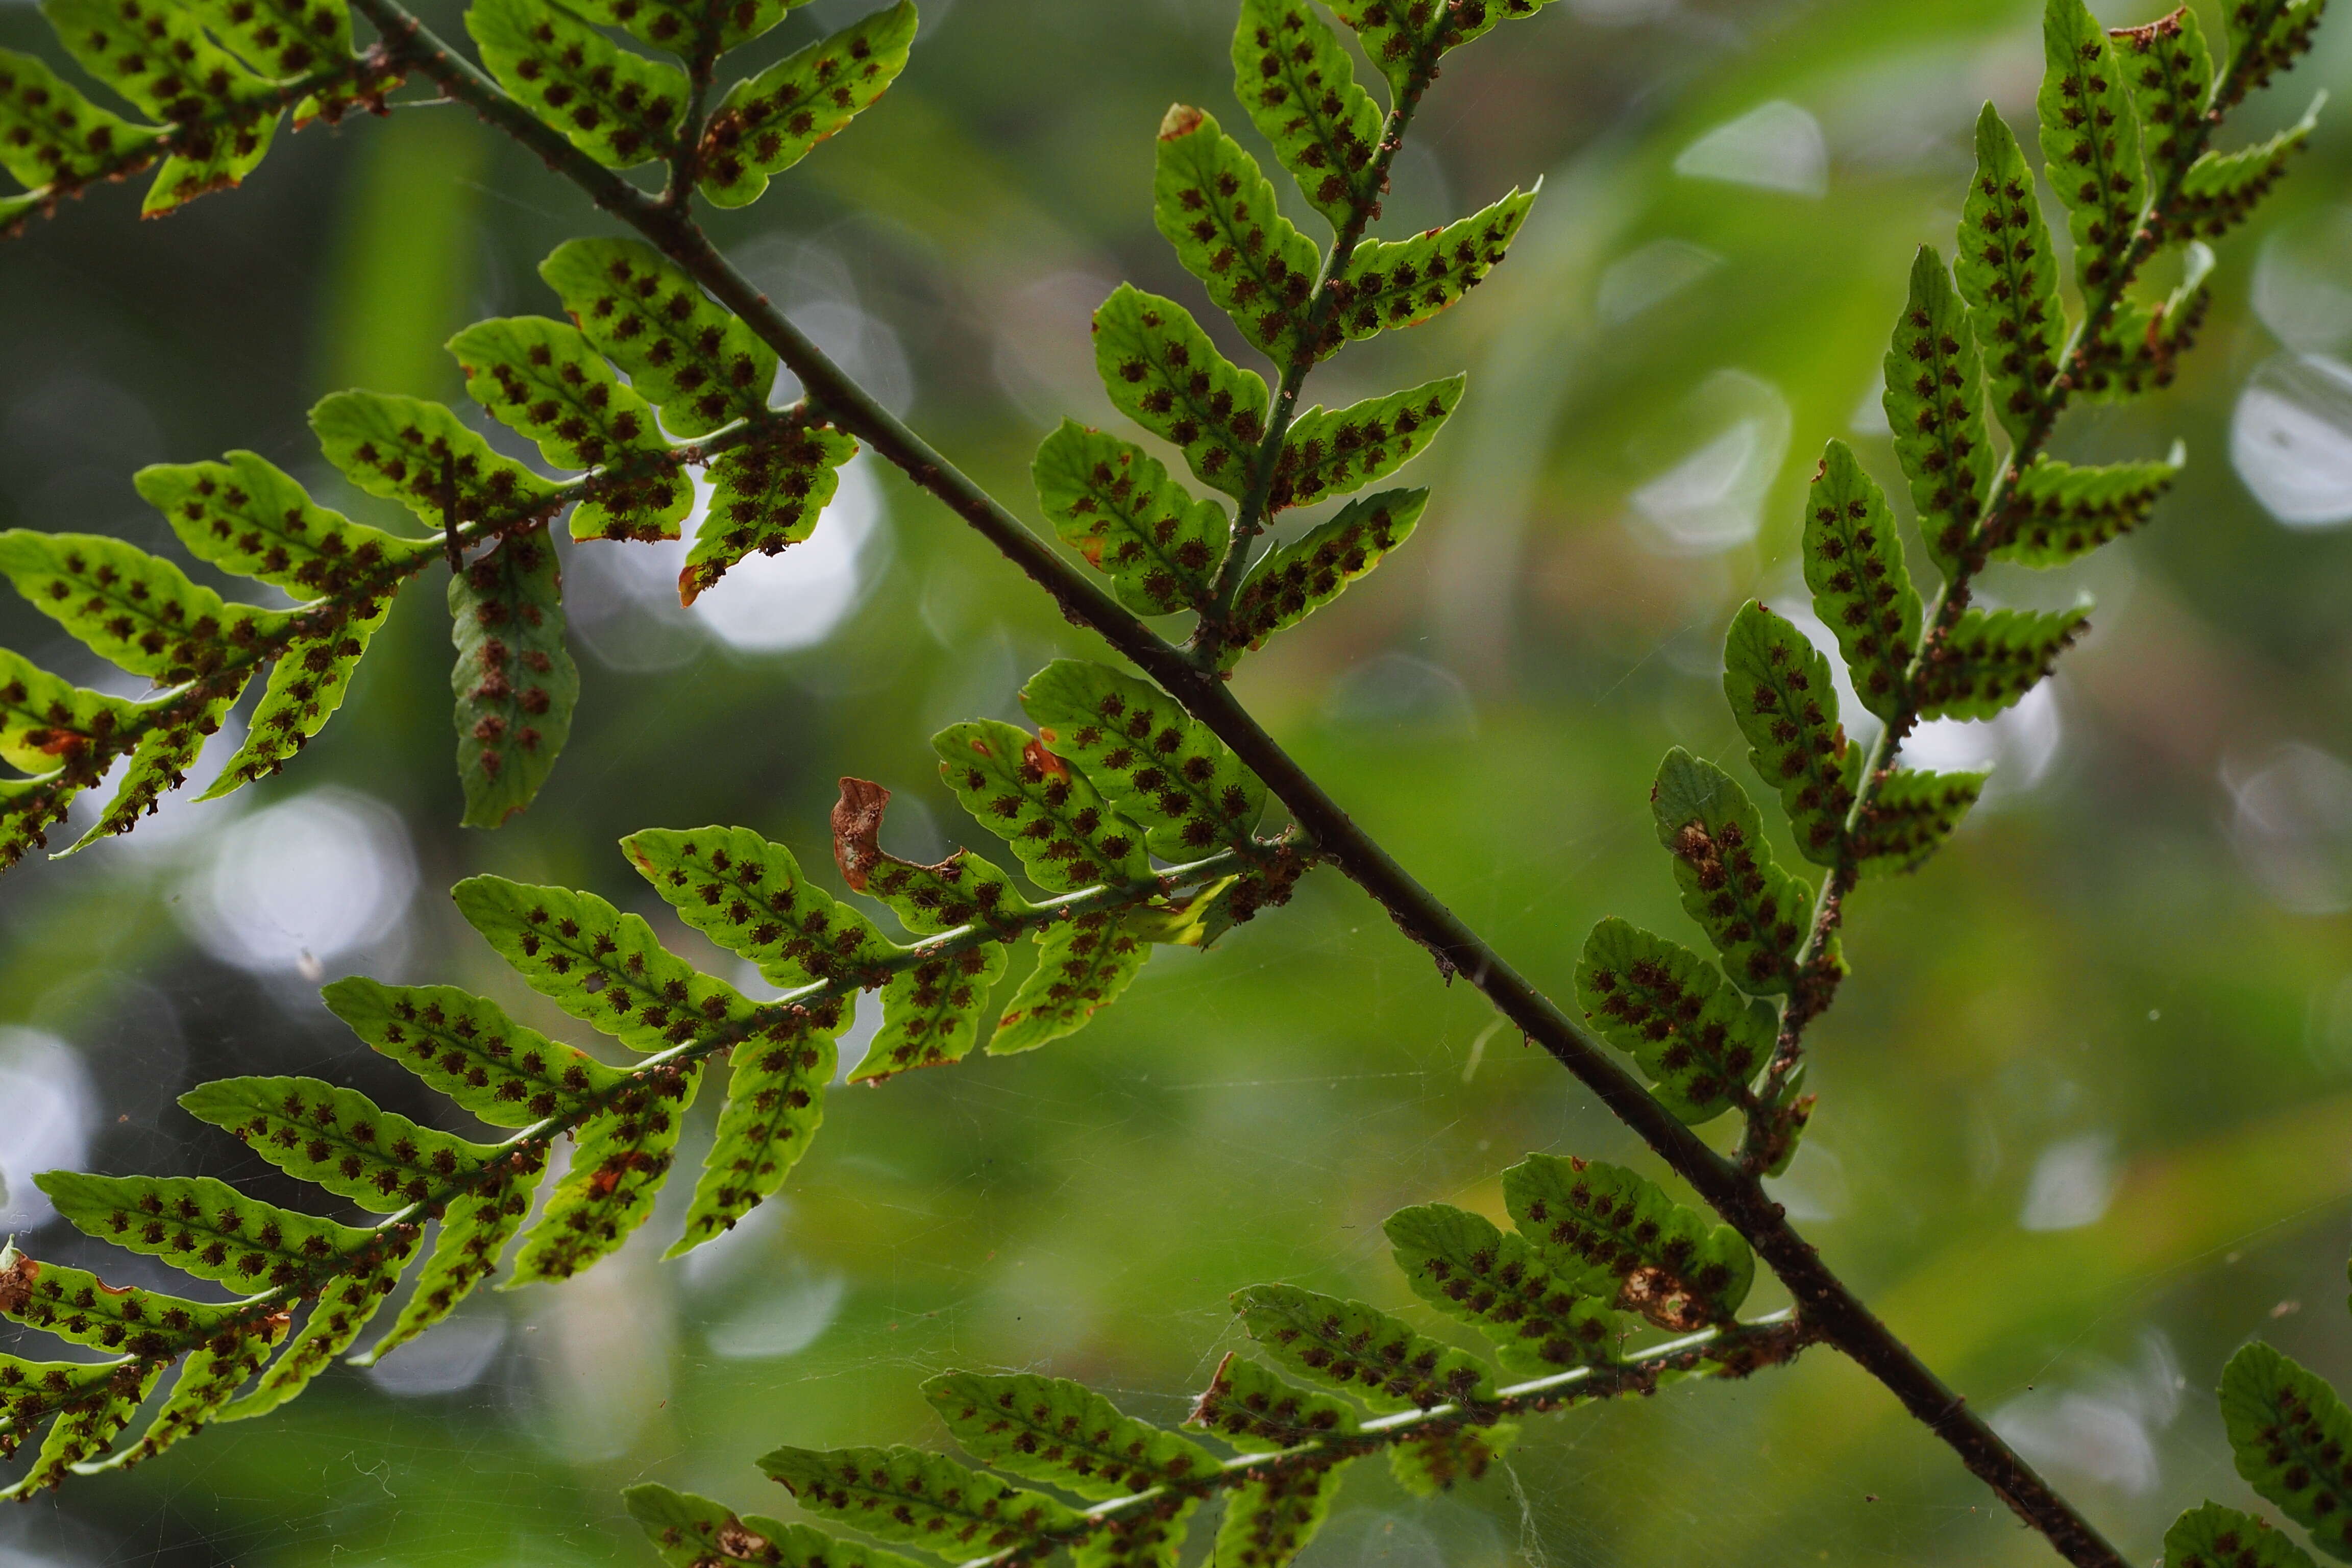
<point x="2086" y="1107"/>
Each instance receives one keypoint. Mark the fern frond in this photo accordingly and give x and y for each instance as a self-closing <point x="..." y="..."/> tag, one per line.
<point x="1053" y="1430"/>
<point x="764" y="495"/>
<point x="2170" y="72"/>
<point x="2222" y="189"/>
<point x="1390" y="284"/>
<point x="1935" y="404"/>
<point x="1116" y="505"/>
<point x="1668" y="1264"/>
<point x="907" y="1495"/>
<point x="1699" y="1041"/>
<point x="771" y="122"/>
<point x="2090" y="138"/>
<point x="2266" y="36"/>
<point x="619" y="108"/>
<point x="697" y="363"/>
<point x="1753" y="911"/>
<point x="1214" y="205"/>
<point x="513" y="679"/>
<point x="1291" y="582"/>
<point x="2009" y="275"/>
<point x="1149" y="758"/>
<point x="1163" y="373"/>
<point x="544" y="379"/>
<point x="1913" y="814"/>
<point x="2289" y="1433"/>
<point x="1405" y="39"/>
<point x="1782" y="695"/>
<point x="1993" y="658"/>
<point x="158" y="57"/>
<point x="2217" y="1537"/>
<point x="1538" y="1320"/>
<point x="1294" y="77"/>
<point x="2059" y="513"/>
<point x="1329" y="452"/>
<point x="1862" y="591"/>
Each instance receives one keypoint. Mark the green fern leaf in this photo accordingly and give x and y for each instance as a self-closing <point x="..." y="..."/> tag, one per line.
<point x="962" y="889"/>
<point x="137" y="610"/>
<point x="1390" y="284"/>
<point x="685" y="27"/>
<point x="693" y="359"/>
<point x="2266" y="36"/>
<point x="1329" y="452"/>
<point x="306" y="684"/>
<point x="338" y="1138"/>
<point x="1935" y="404"/>
<point x="86" y="1430"/>
<point x="2009" y="275"/>
<point x="1064" y="1433"/>
<point x="621" y="108"/>
<point x="926" y="1500"/>
<point x="281" y="38"/>
<point x="1117" y="506"/>
<point x="245" y="515"/>
<point x="1698" y="1040"/>
<point x="1152" y="761"/>
<point x="1141" y="1538"/>
<point x="750" y="897"/>
<point x="423" y="456"/>
<point x="692" y="1531"/>
<point x="1066" y="837"/>
<point x="1405" y="37"/>
<point x="2222" y="189"/>
<point x="343" y="1309"/>
<point x="52" y="136"/>
<point x="169" y="748"/>
<point x="2217" y="1537"/>
<point x="1293" y="75"/>
<point x="1293" y="580"/>
<point x="1671" y="1267"/>
<point x="1256" y="1410"/>
<point x="513" y="679"/>
<point x="775" y="1101"/>
<point x="543" y="378"/>
<point x="1863" y="592"/>
<point x="475" y="1229"/>
<point x="2059" y="513"/>
<point x="46" y="721"/>
<point x="465" y="1046"/>
<point x="1753" y="911"/>
<point x="2143" y="341"/>
<point x="159" y="56"/>
<point x="205" y="1227"/>
<point x="1163" y="373"/>
<point x="769" y="124"/>
<point x="1782" y="697"/>
<point x="1217" y="208"/>
<point x="33" y="1392"/>
<point x="130" y="1320"/>
<point x="603" y="967"/>
<point x="1083" y="964"/>
<point x="209" y="1379"/>
<point x="1913" y="812"/>
<point x="763" y="496"/>
<point x="932" y="1012"/>
<point x="619" y="1162"/>
<point x="2170" y="72"/>
<point x="1437" y="1463"/>
<point x="1269" y="1520"/>
<point x="1539" y="1320"/>
<point x="2090" y="138"/>
<point x="29" y="808"/>
<point x="1361" y="1350"/>
<point x="1995" y="656"/>
<point x="2289" y="1433"/>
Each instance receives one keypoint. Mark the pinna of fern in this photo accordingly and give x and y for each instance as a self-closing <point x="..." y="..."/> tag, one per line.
<point x="1561" y="1299"/>
<point x="1108" y="905"/>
